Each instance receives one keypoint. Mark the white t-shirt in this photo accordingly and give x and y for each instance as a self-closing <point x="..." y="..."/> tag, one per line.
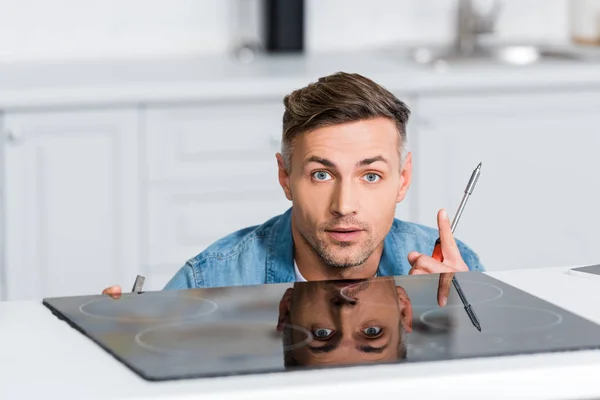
<point x="299" y="277"/>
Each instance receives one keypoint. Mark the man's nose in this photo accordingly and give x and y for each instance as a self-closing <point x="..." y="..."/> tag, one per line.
<point x="344" y="201"/>
<point x="341" y="300"/>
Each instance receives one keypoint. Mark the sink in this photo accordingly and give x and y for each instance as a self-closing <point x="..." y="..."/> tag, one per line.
<point x="516" y="55"/>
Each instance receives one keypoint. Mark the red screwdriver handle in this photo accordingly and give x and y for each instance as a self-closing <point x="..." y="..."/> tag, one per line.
<point x="437" y="251"/>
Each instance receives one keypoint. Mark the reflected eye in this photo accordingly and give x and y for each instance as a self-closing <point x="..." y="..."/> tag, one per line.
<point x="372" y="177"/>
<point x="372" y="331"/>
<point x="322" y="333"/>
<point x="321" y="175"/>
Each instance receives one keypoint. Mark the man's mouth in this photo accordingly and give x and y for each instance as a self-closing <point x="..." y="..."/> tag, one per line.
<point x="345" y="234"/>
<point x="345" y="229"/>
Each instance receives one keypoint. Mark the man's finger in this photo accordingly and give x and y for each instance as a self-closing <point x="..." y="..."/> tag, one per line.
<point x="113" y="291"/>
<point x="449" y="248"/>
<point x="444" y="288"/>
<point x="430" y="265"/>
<point x="416" y="271"/>
<point x="413" y="256"/>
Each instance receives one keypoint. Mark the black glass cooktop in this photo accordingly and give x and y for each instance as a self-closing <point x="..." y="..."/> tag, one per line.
<point x="281" y="327"/>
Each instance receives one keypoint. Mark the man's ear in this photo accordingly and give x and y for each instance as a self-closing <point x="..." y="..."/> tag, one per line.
<point x="406" y="314"/>
<point x="284" y="177"/>
<point x="405" y="178"/>
<point x="285" y="305"/>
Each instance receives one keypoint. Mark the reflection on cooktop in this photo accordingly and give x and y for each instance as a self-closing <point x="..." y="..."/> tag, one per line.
<point x="494" y="318"/>
<point x="478" y="292"/>
<point x="191" y="339"/>
<point x="283" y="327"/>
<point x="148" y="307"/>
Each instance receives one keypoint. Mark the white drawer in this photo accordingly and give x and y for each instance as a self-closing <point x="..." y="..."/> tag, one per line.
<point x="200" y="141"/>
<point x="183" y="222"/>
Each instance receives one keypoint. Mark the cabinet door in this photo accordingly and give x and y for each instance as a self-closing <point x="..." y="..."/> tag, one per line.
<point x="212" y="142"/>
<point x="71" y="202"/>
<point x="536" y="202"/>
<point x="211" y="171"/>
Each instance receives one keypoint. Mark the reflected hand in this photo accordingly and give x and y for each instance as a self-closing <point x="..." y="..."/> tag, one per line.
<point x="452" y="259"/>
<point x="113" y="291"/>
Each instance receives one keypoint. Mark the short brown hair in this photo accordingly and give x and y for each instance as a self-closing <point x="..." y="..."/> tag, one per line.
<point x="337" y="99"/>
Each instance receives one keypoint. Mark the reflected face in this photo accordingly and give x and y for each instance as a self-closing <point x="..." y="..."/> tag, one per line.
<point x="345" y="182"/>
<point x="350" y="322"/>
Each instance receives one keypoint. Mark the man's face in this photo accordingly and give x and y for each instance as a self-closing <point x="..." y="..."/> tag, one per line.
<point x="345" y="181"/>
<point x="349" y="322"/>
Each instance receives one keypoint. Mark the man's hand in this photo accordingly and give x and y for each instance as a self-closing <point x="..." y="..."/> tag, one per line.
<point x="452" y="259"/>
<point x="113" y="291"/>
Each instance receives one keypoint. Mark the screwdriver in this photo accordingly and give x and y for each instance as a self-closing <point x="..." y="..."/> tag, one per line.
<point x="437" y="250"/>
<point x="138" y="284"/>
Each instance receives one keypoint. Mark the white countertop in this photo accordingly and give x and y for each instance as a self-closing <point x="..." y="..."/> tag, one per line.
<point x="42" y="356"/>
<point x="116" y="82"/>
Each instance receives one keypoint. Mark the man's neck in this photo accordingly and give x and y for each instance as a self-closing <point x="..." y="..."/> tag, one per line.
<point x="313" y="268"/>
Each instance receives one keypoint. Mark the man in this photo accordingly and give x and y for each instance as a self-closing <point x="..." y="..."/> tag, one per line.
<point x="344" y="166"/>
<point x="344" y="322"/>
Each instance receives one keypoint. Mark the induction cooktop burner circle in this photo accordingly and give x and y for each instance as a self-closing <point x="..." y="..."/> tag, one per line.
<point x="525" y="319"/>
<point x="213" y="339"/>
<point x="477" y="292"/>
<point x="148" y="307"/>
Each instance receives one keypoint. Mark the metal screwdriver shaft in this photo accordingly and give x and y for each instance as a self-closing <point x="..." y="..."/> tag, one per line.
<point x="461" y="207"/>
<point x="437" y="250"/>
<point x="468" y="191"/>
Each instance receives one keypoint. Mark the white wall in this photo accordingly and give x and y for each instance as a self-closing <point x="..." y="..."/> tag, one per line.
<point x="42" y="29"/>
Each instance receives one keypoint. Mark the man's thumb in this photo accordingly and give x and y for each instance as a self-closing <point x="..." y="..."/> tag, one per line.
<point x="413" y="256"/>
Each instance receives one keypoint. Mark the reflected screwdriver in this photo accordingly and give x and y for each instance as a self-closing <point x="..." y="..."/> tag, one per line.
<point x="437" y="250"/>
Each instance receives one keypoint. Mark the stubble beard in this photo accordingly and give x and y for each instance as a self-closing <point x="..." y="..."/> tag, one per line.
<point x="328" y="252"/>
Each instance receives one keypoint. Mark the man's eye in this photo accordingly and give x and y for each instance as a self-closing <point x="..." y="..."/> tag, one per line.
<point x="372" y="331"/>
<point x="372" y="177"/>
<point x="322" y="333"/>
<point x="321" y="175"/>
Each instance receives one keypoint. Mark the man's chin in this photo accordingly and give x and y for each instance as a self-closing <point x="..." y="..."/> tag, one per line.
<point x="344" y="261"/>
<point x="344" y="254"/>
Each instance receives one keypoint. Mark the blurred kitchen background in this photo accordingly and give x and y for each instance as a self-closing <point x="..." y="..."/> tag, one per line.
<point x="137" y="132"/>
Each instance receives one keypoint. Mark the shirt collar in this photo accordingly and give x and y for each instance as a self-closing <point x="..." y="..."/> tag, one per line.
<point x="280" y="254"/>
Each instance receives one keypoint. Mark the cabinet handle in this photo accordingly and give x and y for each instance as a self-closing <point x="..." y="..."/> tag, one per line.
<point x="13" y="137"/>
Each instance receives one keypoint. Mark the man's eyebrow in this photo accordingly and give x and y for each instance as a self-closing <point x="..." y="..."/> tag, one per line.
<point x="368" y="161"/>
<point x="370" y="349"/>
<point x="320" y="160"/>
<point x="322" y="349"/>
<point x="331" y="164"/>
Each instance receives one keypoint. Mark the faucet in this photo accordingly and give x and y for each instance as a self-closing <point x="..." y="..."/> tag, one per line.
<point x="470" y="24"/>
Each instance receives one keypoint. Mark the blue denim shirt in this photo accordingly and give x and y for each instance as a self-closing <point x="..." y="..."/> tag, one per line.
<point x="265" y="254"/>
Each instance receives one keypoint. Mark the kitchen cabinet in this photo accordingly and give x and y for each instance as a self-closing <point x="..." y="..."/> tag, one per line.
<point x="211" y="171"/>
<point x="73" y="201"/>
<point x="3" y="232"/>
<point x="536" y="202"/>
